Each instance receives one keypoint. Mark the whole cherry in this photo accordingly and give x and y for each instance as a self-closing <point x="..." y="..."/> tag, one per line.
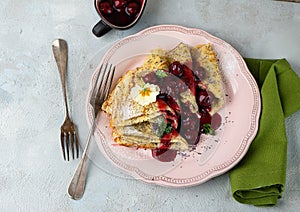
<point x="132" y="9"/>
<point x="119" y="4"/>
<point x="205" y="98"/>
<point x="105" y="7"/>
<point x="176" y="69"/>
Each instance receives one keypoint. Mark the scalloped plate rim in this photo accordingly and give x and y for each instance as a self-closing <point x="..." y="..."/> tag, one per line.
<point x="214" y="171"/>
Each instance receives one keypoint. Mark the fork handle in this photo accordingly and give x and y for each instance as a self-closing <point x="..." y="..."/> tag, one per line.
<point x="77" y="184"/>
<point x="60" y="51"/>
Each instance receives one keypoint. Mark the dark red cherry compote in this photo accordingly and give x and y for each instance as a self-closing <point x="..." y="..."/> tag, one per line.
<point x="182" y="120"/>
<point x="120" y="13"/>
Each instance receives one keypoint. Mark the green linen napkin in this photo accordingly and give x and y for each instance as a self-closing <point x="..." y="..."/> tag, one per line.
<point x="259" y="178"/>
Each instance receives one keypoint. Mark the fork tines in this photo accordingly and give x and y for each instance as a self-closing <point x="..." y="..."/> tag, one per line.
<point x="69" y="139"/>
<point x="102" y="86"/>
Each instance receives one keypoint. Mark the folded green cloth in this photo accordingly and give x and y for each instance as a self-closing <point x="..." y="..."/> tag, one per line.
<point x="259" y="178"/>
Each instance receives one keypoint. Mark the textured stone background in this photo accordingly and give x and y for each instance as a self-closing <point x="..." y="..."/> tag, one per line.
<point x="33" y="176"/>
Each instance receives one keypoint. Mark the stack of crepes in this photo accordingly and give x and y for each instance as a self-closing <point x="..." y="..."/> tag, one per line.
<point x="133" y="122"/>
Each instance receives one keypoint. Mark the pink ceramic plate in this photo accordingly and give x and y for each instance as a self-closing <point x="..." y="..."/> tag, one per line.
<point x="214" y="155"/>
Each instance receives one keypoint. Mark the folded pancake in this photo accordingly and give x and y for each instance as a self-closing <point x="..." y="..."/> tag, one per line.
<point x="122" y="108"/>
<point x="147" y="135"/>
<point x="182" y="54"/>
<point x="156" y="60"/>
<point x="176" y="143"/>
<point x="138" y="125"/>
<point x="204" y="56"/>
<point x="146" y="125"/>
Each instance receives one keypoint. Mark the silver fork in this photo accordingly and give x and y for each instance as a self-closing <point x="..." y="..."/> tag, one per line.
<point x="68" y="135"/>
<point x="99" y="93"/>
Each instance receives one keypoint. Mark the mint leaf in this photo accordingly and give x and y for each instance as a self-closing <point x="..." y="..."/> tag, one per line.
<point x="168" y="129"/>
<point x="206" y="129"/>
<point x="161" y="73"/>
<point x="160" y="127"/>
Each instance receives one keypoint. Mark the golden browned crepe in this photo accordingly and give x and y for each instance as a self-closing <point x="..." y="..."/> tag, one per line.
<point x="206" y="57"/>
<point x="181" y="53"/>
<point x="134" y="124"/>
<point x="124" y="110"/>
